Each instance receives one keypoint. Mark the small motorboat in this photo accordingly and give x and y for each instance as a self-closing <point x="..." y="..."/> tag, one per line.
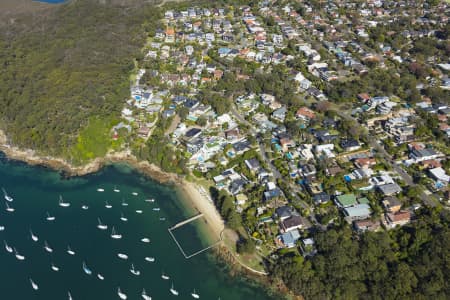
<point x="195" y="295"/>
<point x="100" y="276"/>
<point x="33" y="236"/>
<point x="115" y="235"/>
<point x="100" y="190"/>
<point x="69" y="295"/>
<point x="150" y="200"/>
<point x="47" y="247"/>
<point x="134" y="194"/>
<point x="70" y="251"/>
<point x="55" y="268"/>
<point x="121" y="294"/>
<point x="85" y="207"/>
<point x="162" y="219"/>
<point x="173" y="290"/>
<point x="86" y="269"/>
<point x="6" y="196"/>
<point x="134" y="271"/>
<point x="124" y="203"/>
<point x="156" y="209"/>
<point x="164" y="276"/>
<point x="2" y="228"/>
<point x="8" y="248"/>
<point x="62" y="203"/>
<point x="149" y="259"/>
<point x="145" y="240"/>
<point x="122" y="256"/>
<point x="18" y="256"/>
<point x="34" y="285"/>
<point x="145" y="296"/>
<point x="107" y="205"/>
<point x="116" y="190"/>
<point x="9" y="208"/>
<point x="49" y="217"/>
<point x="101" y="226"/>
<point x="138" y="211"/>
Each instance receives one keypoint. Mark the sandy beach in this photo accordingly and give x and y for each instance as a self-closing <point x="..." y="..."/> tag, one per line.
<point x="200" y="200"/>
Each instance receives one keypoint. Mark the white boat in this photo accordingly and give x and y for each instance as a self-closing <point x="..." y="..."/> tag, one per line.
<point x="70" y="251"/>
<point x="49" y="217"/>
<point x="123" y="218"/>
<point x="55" y="268"/>
<point x="100" y="190"/>
<point x="134" y="271"/>
<point x="62" y="203"/>
<point x="145" y="296"/>
<point x="122" y="256"/>
<point x="162" y="219"/>
<point x="8" y="208"/>
<point x="8" y="248"/>
<point x="164" y="276"/>
<point x="85" y="207"/>
<point x="47" y="247"/>
<point x="134" y="194"/>
<point x="156" y="209"/>
<point x="2" y="228"/>
<point x="101" y="226"/>
<point x="195" y="295"/>
<point x="107" y="205"/>
<point x="173" y="291"/>
<point x="121" y="294"/>
<point x="18" y="256"/>
<point x="150" y="200"/>
<point x="145" y="240"/>
<point x="138" y="211"/>
<point x="6" y="196"/>
<point x="86" y="269"/>
<point x="34" y="237"/>
<point x="100" y="276"/>
<point x="149" y="259"/>
<point x="115" y="235"/>
<point x="69" y="295"/>
<point x="124" y="203"/>
<point x="34" y="285"/>
<point x="116" y="190"/>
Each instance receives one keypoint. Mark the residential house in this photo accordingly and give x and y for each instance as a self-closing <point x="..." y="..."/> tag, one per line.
<point x="399" y="218"/>
<point x="357" y="212"/>
<point x="294" y="222"/>
<point x="350" y="145"/>
<point x="305" y="114"/>
<point x="285" y="212"/>
<point x="366" y="225"/>
<point x="391" y="204"/>
<point x="290" y="238"/>
<point x="345" y="200"/>
<point x="389" y="189"/>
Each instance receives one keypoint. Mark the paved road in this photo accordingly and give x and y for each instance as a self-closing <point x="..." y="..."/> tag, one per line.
<point x="426" y="199"/>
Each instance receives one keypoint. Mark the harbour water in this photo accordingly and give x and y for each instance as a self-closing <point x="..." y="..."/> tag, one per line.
<point x="36" y="190"/>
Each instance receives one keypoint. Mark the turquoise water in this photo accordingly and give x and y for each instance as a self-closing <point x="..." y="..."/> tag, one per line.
<point x="36" y="190"/>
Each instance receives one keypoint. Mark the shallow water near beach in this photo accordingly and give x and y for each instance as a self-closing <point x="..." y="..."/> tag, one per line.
<point x="36" y="190"/>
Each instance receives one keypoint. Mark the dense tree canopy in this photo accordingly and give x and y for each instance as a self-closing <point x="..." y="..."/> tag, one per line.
<point x="65" y="66"/>
<point x="410" y="262"/>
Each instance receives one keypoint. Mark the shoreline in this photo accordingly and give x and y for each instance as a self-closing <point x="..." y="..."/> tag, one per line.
<point x="191" y="192"/>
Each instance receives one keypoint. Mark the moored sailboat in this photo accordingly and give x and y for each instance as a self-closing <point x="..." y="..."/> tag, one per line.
<point x="86" y="269"/>
<point x="122" y="217"/>
<point x="9" y="208"/>
<point x="107" y="205"/>
<point x="34" y="285"/>
<point x="134" y="271"/>
<point x="49" y="217"/>
<point x="145" y="296"/>
<point x="115" y="235"/>
<point x="6" y="196"/>
<point x="62" y="203"/>
<point x="195" y="295"/>
<point x="54" y="268"/>
<point x="8" y="248"/>
<point x="101" y="226"/>
<point x="33" y="236"/>
<point x="122" y="256"/>
<point x="173" y="290"/>
<point x="47" y="247"/>
<point x="121" y="294"/>
<point x="18" y="256"/>
<point x="70" y="251"/>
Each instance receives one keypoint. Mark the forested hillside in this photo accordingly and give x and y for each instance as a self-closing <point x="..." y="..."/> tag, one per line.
<point x="412" y="262"/>
<point x="65" y="67"/>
